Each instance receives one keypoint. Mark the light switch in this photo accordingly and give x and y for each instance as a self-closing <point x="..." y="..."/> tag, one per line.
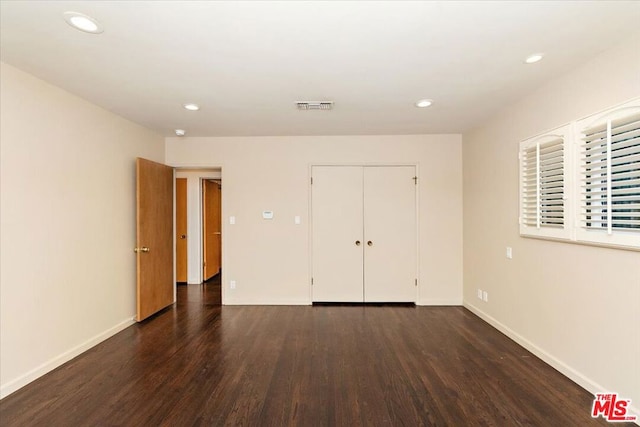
<point x="232" y="220"/>
<point x="509" y="252"/>
<point x="296" y="219"/>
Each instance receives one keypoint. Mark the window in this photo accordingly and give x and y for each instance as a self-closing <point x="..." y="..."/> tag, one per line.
<point x="543" y="185"/>
<point x="609" y="173"/>
<point x="594" y="198"/>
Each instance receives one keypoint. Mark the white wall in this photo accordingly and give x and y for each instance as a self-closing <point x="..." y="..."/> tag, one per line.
<point x="576" y="306"/>
<point x="67" y="212"/>
<point x="269" y="260"/>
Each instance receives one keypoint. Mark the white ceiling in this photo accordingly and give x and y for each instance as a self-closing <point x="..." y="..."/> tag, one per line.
<point x="246" y="63"/>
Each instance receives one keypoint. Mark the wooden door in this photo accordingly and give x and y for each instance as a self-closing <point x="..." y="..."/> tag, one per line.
<point x="154" y="237"/>
<point x="181" y="230"/>
<point x="337" y="240"/>
<point x="218" y="224"/>
<point x="211" y="228"/>
<point x="390" y="234"/>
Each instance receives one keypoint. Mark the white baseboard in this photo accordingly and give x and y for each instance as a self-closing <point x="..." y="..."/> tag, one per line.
<point x="432" y="302"/>
<point x="566" y="370"/>
<point x="436" y="301"/>
<point x="266" y="301"/>
<point x="50" y="365"/>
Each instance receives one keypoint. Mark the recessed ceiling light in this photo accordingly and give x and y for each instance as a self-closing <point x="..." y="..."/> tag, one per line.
<point x="180" y="132"/>
<point x="531" y="59"/>
<point x="192" y="107"/>
<point x="83" y="22"/>
<point x="424" y="103"/>
<point x="314" y="105"/>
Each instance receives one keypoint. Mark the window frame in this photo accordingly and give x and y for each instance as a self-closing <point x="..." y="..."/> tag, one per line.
<point x="606" y="236"/>
<point x="536" y="144"/>
<point x="576" y="181"/>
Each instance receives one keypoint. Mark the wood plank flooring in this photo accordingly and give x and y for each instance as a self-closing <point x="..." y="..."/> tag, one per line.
<point x="198" y="363"/>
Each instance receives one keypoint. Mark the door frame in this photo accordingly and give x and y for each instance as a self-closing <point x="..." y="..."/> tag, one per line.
<point x="195" y="175"/>
<point x="362" y="164"/>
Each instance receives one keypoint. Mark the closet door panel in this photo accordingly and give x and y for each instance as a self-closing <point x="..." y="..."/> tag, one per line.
<point x="336" y="204"/>
<point x="390" y="263"/>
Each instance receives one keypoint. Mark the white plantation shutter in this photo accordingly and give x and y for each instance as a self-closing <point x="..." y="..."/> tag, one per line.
<point x="609" y="178"/>
<point x="551" y="205"/>
<point x="529" y="183"/>
<point x="543" y="186"/>
<point x="581" y="182"/>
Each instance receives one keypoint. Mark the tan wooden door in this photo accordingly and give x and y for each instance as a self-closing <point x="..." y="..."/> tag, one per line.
<point x="211" y="228"/>
<point x="181" y="229"/>
<point x="337" y="239"/>
<point x="390" y="235"/>
<point x="154" y="237"/>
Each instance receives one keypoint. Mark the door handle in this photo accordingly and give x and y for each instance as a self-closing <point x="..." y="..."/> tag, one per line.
<point x="370" y="243"/>
<point x="142" y="249"/>
<point x="183" y="236"/>
<point x="357" y="242"/>
<point x="217" y="232"/>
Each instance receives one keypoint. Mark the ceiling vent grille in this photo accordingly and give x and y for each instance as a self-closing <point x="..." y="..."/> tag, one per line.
<point x="314" y="105"/>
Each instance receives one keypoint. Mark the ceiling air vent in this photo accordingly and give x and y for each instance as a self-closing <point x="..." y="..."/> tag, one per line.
<point x="315" y="105"/>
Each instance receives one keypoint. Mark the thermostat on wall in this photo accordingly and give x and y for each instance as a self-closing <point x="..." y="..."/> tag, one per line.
<point x="267" y="214"/>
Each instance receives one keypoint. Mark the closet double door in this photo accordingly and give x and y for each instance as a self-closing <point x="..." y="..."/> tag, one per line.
<point x="364" y="237"/>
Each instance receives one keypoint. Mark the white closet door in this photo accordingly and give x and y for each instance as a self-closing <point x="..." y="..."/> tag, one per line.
<point x="390" y="227"/>
<point x="336" y="204"/>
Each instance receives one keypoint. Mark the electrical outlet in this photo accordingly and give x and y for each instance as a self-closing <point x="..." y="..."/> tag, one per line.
<point x="509" y="252"/>
<point x="479" y="293"/>
<point x="485" y="296"/>
<point x="232" y="284"/>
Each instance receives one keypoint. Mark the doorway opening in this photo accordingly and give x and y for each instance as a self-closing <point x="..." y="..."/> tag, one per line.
<point x="198" y="237"/>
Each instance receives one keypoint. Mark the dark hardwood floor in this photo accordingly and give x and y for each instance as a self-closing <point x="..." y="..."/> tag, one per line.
<point x="198" y="363"/>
